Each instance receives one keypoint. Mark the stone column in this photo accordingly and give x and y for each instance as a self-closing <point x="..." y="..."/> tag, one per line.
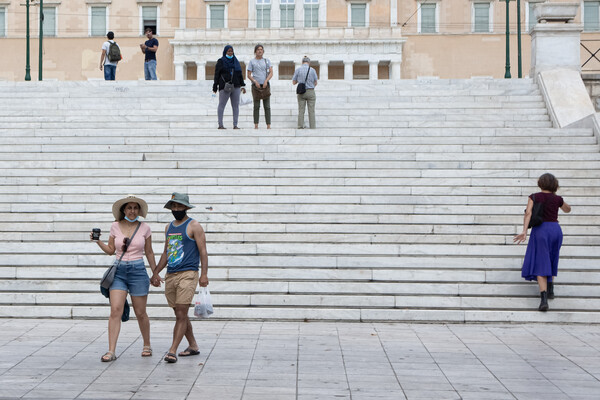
<point x="179" y="70"/>
<point x="555" y="39"/>
<point x="182" y="14"/>
<point x="373" y="70"/>
<point x="200" y="71"/>
<point x="395" y="70"/>
<point x="275" y="66"/>
<point x="348" y="70"/>
<point x="323" y="70"/>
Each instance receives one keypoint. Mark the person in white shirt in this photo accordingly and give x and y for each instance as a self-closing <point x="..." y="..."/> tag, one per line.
<point x="110" y="67"/>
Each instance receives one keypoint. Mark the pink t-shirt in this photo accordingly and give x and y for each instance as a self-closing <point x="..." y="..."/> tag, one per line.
<point x="135" y="251"/>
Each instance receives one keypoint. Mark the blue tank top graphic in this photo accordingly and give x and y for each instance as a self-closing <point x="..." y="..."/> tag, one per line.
<point x="182" y="252"/>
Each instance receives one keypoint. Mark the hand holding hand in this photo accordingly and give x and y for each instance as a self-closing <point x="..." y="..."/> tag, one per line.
<point x="156" y="280"/>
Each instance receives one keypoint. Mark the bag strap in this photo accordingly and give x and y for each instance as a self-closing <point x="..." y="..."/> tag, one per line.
<point x="130" y="239"/>
<point x="231" y="80"/>
<point x="307" y="72"/>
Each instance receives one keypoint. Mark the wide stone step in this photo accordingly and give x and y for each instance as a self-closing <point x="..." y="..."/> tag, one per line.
<point x="220" y="301"/>
<point x="297" y="248"/>
<point x="67" y="142"/>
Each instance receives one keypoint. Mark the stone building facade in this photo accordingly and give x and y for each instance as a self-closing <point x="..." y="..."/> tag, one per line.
<point x="346" y="39"/>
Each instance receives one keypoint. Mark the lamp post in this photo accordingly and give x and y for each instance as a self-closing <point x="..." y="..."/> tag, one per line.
<point x="42" y="37"/>
<point x="507" y="67"/>
<point x="27" y="66"/>
<point x="519" y="38"/>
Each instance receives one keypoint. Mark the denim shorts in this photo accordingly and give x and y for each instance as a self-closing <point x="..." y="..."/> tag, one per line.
<point x="132" y="276"/>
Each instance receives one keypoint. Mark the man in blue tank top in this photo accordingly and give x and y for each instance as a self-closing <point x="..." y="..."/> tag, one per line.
<point x="185" y="250"/>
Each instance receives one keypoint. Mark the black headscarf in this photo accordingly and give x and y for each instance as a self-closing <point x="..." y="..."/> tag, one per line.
<point x="230" y="63"/>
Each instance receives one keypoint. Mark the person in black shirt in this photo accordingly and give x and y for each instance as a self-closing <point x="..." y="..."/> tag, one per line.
<point x="149" y="48"/>
<point x="229" y="81"/>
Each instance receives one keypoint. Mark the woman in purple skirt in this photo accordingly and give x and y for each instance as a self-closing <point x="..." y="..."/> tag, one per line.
<point x="541" y="257"/>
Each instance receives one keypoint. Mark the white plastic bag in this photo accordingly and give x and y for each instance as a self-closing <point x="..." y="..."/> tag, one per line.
<point x="245" y="99"/>
<point x="202" y="304"/>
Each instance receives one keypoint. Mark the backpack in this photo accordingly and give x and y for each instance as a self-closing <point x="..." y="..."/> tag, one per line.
<point x="537" y="214"/>
<point x="114" y="52"/>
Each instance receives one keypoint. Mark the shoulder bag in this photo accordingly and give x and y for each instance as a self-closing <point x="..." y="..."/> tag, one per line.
<point x="229" y="87"/>
<point x="301" y="89"/>
<point x="109" y="275"/>
<point x="537" y="214"/>
<point x="262" y="93"/>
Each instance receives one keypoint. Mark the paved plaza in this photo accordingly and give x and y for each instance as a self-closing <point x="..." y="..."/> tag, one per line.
<point x="46" y="359"/>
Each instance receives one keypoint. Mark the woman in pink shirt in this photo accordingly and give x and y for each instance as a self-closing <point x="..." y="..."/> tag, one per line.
<point x="131" y="273"/>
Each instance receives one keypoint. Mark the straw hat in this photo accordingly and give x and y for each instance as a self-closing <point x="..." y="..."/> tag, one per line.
<point x="116" y="208"/>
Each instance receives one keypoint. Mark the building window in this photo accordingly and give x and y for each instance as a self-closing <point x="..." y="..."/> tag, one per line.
<point x="530" y="19"/>
<point x="287" y="8"/>
<point x="49" y="21"/>
<point x="150" y="18"/>
<point x="427" y="18"/>
<point x="482" y="17"/>
<point x="217" y="16"/>
<point x="591" y="16"/>
<point x="358" y="14"/>
<point x="263" y="13"/>
<point x="311" y="13"/>
<point x="98" y="21"/>
<point x="2" y="22"/>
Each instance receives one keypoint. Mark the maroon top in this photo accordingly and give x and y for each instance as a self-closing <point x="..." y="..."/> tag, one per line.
<point x="551" y="202"/>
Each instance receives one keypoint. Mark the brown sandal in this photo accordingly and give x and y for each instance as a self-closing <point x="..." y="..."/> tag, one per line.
<point x="147" y="351"/>
<point x="108" y="357"/>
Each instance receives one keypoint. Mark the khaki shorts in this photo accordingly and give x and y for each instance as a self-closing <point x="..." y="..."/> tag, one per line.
<point x="180" y="287"/>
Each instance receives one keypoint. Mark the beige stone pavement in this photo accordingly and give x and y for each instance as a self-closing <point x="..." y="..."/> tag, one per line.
<point x="60" y="359"/>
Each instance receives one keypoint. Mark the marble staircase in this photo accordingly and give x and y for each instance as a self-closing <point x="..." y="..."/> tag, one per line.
<point x="401" y="205"/>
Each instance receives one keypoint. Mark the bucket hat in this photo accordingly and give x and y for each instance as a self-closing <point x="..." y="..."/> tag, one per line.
<point x="116" y="208"/>
<point x="179" y="198"/>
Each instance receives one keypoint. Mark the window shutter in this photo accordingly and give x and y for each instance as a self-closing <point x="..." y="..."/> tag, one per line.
<point x="311" y="16"/>
<point x="263" y="16"/>
<point x="217" y="16"/>
<point x="287" y="15"/>
<point x="481" y="17"/>
<point x="428" y="18"/>
<point x="591" y="17"/>
<point x="49" y="21"/>
<point x="98" y="21"/>
<point x="2" y="22"/>
<point x="532" y="20"/>
<point x="358" y="14"/>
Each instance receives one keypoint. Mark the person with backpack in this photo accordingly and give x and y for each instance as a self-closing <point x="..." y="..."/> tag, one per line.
<point x="111" y="55"/>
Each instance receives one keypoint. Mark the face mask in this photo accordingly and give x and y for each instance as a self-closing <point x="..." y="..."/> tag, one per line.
<point x="179" y="215"/>
<point x="228" y="56"/>
<point x="132" y="220"/>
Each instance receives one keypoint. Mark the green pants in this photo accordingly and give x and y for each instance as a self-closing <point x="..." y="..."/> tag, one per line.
<point x="310" y="98"/>
<point x="267" y="106"/>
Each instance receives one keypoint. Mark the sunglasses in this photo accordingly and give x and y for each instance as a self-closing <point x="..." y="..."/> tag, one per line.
<point x="126" y="243"/>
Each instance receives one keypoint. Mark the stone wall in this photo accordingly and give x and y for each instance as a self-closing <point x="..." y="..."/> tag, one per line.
<point x="592" y="84"/>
